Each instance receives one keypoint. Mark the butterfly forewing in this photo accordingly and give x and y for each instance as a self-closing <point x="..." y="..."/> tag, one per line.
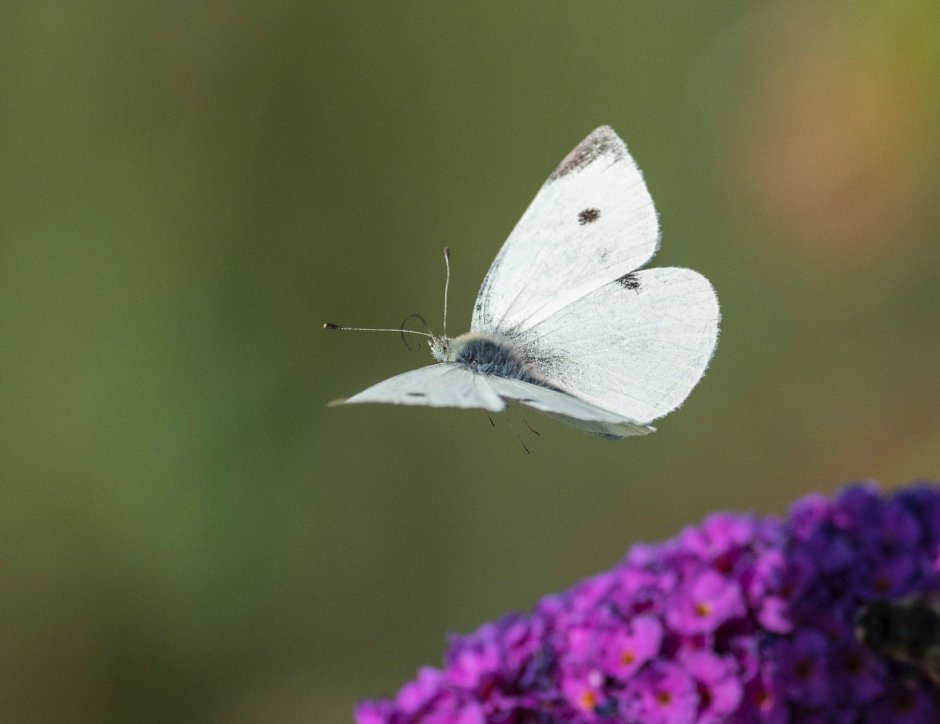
<point x="591" y="222"/>
<point x="440" y="385"/>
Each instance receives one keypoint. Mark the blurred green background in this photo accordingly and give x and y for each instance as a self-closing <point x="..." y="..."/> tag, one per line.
<point x="189" y="190"/>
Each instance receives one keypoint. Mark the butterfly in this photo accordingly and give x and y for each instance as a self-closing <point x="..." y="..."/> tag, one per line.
<point x="905" y="630"/>
<point x="566" y="321"/>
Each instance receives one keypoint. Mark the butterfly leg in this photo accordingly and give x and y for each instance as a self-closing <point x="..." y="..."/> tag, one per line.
<point x="531" y="429"/>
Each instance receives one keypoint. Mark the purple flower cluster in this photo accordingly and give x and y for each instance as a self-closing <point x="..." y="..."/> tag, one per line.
<point x="740" y="619"/>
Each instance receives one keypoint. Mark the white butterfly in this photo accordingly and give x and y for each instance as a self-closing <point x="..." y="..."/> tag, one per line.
<point x="564" y="322"/>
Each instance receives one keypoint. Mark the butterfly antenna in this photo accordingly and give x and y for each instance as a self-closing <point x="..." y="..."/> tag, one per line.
<point x="446" y="284"/>
<point x="401" y="330"/>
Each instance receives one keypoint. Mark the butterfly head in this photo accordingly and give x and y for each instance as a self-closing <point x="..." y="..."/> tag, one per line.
<point x="469" y="348"/>
<point x="441" y="348"/>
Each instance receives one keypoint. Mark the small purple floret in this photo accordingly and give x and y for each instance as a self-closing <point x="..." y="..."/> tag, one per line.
<point x="741" y="619"/>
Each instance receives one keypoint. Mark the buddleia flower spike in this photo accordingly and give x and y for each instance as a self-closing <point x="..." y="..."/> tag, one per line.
<point x="741" y="618"/>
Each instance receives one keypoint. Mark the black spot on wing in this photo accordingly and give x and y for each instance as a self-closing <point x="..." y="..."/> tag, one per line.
<point x="602" y="142"/>
<point x="630" y="281"/>
<point x="589" y="216"/>
<point x="416" y="394"/>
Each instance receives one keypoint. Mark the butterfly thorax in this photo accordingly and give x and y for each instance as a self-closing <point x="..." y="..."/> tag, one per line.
<point x="485" y="355"/>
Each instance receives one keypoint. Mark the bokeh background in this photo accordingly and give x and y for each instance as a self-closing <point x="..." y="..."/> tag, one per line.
<point x="188" y="190"/>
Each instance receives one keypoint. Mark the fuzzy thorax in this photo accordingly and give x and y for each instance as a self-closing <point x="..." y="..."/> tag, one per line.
<point x="485" y="355"/>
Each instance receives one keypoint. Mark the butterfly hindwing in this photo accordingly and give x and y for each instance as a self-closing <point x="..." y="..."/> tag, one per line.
<point x="571" y="410"/>
<point x="636" y="346"/>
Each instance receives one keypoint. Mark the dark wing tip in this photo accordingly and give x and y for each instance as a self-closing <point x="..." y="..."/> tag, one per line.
<point x="602" y="141"/>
